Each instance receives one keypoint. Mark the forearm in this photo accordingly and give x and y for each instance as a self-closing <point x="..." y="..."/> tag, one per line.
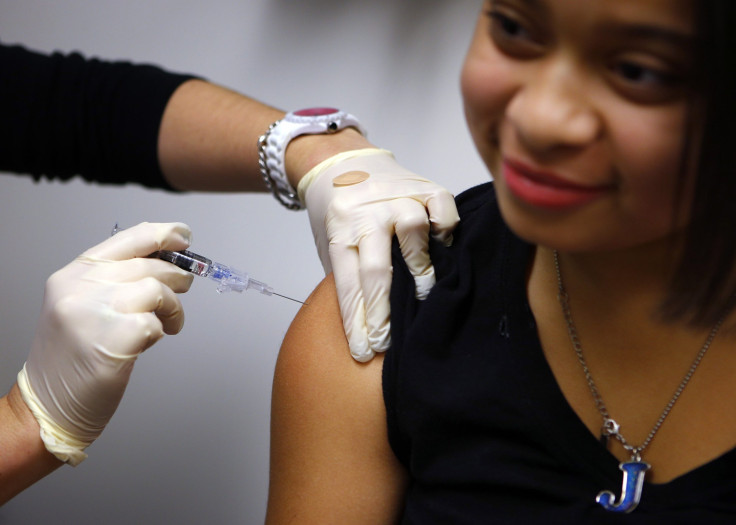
<point x="66" y="115"/>
<point x="209" y="134"/>
<point x="23" y="459"/>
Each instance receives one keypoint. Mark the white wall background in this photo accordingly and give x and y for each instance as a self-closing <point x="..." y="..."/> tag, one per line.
<point x="189" y="443"/>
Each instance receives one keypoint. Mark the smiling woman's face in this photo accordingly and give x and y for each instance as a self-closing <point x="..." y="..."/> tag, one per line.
<point x="578" y="108"/>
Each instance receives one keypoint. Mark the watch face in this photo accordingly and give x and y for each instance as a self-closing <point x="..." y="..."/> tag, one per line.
<point x="315" y="112"/>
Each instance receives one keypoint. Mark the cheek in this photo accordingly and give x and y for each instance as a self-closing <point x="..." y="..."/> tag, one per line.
<point x="650" y="149"/>
<point x="487" y="87"/>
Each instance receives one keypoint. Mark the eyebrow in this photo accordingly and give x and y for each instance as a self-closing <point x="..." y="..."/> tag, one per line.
<point x="649" y="32"/>
<point x="529" y="3"/>
<point x="532" y="3"/>
<point x="628" y="30"/>
<point x="539" y="6"/>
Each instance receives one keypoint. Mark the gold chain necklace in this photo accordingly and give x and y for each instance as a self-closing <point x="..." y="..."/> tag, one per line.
<point x="635" y="469"/>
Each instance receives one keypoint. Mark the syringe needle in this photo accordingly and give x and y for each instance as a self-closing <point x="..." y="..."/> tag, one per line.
<point x="289" y="298"/>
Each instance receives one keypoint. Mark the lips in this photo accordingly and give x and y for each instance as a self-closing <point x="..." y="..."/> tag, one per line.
<point x="547" y="190"/>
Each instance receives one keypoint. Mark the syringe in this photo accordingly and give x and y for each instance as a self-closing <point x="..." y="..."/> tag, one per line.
<point x="227" y="278"/>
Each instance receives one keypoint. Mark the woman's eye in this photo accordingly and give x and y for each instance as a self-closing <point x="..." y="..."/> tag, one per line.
<point x="507" y="25"/>
<point x="512" y="36"/>
<point x="639" y="74"/>
<point x="645" y="84"/>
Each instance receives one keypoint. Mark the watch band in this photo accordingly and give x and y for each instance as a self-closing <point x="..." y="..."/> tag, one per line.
<point x="273" y="143"/>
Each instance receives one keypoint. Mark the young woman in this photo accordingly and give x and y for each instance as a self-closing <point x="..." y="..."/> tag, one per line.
<point x="575" y="361"/>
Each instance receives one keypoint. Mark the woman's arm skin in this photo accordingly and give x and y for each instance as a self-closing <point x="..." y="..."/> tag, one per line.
<point x="330" y="457"/>
<point x="25" y="459"/>
<point x="209" y="135"/>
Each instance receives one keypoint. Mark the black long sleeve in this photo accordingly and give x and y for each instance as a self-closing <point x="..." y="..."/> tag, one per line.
<point x="66" y="115"/>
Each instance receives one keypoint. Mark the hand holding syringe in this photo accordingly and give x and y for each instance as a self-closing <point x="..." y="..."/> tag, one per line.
<point x="227" y="278"/>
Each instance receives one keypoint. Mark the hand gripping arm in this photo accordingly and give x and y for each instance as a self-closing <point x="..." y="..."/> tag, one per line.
<point x="357" y="201"/>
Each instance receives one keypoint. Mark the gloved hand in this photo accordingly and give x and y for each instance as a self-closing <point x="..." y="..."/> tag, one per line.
<point x="99" y="313"/>
<point x="356" y="201"/>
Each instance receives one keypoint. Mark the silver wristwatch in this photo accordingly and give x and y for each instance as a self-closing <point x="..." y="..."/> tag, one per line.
<point x="272" y="145"/>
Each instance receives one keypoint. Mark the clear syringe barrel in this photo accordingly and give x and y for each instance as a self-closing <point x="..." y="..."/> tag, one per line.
<point x="227" y="278"/>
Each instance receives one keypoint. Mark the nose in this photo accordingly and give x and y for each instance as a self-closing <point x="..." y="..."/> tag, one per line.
<point x="552" y="110"/>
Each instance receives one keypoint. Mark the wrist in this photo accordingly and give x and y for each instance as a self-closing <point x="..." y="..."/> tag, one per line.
<point x="58" y="441"/>
<point x="25" y="459"/>
<point x="272" y="146"/>
<point x="21" y="419"/>
<point x="306" y="151"/>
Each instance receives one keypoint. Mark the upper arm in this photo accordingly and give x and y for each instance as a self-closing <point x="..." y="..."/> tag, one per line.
<point x="330" y="457"/>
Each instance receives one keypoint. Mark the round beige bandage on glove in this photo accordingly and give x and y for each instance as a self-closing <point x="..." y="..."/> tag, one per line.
<point x="99" y="313"/>
<point x="357" y="201"/>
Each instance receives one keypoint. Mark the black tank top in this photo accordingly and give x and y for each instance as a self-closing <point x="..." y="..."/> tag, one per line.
<point x="476" y="416"/>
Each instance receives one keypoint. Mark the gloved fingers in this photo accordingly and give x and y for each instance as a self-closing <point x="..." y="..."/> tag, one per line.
<point x="374" y="254"/>
<point x="132" y="270"/>
<point x="413" y="234"/>
<point x="150" y="295"/>
<point x="443" y="216"/>
<point x="129" y="336"/>
<point x="345" y="267"/>
<point x="104" y="324"/>
<point x="142" y="240"/>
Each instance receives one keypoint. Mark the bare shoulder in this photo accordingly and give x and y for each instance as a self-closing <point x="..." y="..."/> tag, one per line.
<point x="316" y="340"/>
<point x="330" y="459"/>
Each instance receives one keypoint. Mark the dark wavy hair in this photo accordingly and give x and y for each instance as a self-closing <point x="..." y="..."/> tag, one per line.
<point x="703" y="288"/>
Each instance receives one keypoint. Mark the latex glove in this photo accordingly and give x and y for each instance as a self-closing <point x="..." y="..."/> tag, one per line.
<point x="99" y="313"/>
<point x="357" y="201"/>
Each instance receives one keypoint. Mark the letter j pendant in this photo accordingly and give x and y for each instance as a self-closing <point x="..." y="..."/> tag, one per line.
<point x="634" y="472"/>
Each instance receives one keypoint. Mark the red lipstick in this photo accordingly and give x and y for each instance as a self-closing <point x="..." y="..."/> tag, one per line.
<point x="547" y="190"/>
